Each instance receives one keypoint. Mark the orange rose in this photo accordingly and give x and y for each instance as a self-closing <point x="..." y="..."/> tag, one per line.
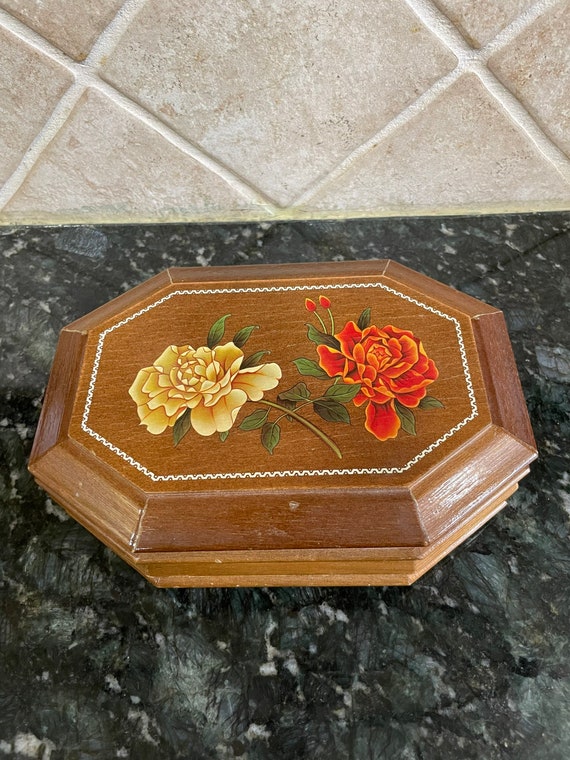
<point x="389" y="364"/>
<point x="208" y="381"/>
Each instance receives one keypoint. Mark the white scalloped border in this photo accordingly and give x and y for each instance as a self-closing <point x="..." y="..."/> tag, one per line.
<point x="277" y="473"/>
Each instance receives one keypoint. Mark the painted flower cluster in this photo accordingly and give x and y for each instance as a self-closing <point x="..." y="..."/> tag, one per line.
<point x="390" y="367"/>
<point x="385" y="370"/>
<point x="202" y="388"/>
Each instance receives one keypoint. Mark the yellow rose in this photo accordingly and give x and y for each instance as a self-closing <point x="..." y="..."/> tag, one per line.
<point x="209" y="381"/>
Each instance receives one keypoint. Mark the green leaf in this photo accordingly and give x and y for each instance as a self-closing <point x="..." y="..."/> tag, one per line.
<point x="364" y="319"/>
<point x="251" y="361"/>
<point x="407" y="418"/>
<point x="217" y="331"/>
<point x="243" y="335"/>
<point x="429" y="402"/>
<point x="298" y="392"/>
<point x="310" y="368"/>
<point x="270" y="435"/>
<point x="224" y="435"/>
<point x="254" y="420"/>
<point x="321" y="338"/>
<point x="331" y="411"/>
<point x="288" y="404"/>
<point x="342" y="392"/>
<point x="181" y="427"/>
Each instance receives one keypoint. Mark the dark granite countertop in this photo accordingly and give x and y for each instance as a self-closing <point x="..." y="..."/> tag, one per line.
<point x="472" y="661"/>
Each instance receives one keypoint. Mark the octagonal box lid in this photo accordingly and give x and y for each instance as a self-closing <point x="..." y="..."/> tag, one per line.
<point x="284" y="425"/>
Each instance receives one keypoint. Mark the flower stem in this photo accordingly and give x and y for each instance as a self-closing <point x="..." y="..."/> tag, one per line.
<point x="308" y="402"/>
<point x="332" y="321"/>
<point x="313" y="428"/>
<point x="322" y="323"/>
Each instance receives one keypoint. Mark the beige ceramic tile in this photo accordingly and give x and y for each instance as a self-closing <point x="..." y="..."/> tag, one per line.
<point x="30" y="87"/>
<point x="536" y="68"/>
<point x="105" y="165"/>
<point x="481" y="20"/>
<point x="462" y="151"/>
<point x="280" y="91"/>
<point x="71" y="26"/>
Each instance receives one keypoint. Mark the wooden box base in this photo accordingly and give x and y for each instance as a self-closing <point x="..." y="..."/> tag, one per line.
<point x="335" y="424"/>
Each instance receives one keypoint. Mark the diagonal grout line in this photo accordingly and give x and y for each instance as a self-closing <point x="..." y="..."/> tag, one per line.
<point x="443" y="28"/>
<point x="104" y="44"/>
<point x="469" y="60"/>
<point x="208" y="162"/>
<point x="512" y="30"/>
<point x="52" y="126"/>
<point x="81" y="73"/>
<point x="475" y="61"/>
<point x="446" y="31"/>
<point x="86" y="75"/>
<point x="102" y="48"/>
<point x="110" y="36"/>
<point x="35" y="40"/>
<point x="526" y="123"/>
<point x="416" y="107"/>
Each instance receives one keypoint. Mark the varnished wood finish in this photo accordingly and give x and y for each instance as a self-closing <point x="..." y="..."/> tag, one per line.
<point x="335" y="526"/>
<point x="502" y="382"/>
<point x="58" y="400"/>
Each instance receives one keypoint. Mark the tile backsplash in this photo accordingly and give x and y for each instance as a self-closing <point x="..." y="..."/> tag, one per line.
<point x="167" y="110"/>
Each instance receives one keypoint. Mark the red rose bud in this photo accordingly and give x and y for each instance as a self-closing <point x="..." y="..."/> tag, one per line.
<point x="310" y="305"/>
<point x="325" y="302"/>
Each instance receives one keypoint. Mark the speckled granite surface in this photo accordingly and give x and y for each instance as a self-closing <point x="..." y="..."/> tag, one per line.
<point x="473" y="661"/>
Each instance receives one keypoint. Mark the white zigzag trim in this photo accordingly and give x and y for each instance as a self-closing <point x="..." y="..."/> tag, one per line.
<point x="277" y="473"/>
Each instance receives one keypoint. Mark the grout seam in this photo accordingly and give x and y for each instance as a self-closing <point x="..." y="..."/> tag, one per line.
<point x="55" y="121"/>
<point x="472" y="61"/>
<point x="86" y="75"/>
<point x="112" y="33"/>
<point x="475" y="62"/>
<point x="446" y="31"/>
<point x="443" y="28"/>
<point x="34" y="40"/>
<point x="516" y="27"/>
<point x="414" y="108"/>
<point x="524" y="121"/>
<point x="172" y="136"/>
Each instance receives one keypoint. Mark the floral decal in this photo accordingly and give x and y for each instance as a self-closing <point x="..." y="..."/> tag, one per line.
<point x="211" y="383"/>
<point x="387" y="368"/>
<point x="391" y="367"/>
<point x="204" y="389"/>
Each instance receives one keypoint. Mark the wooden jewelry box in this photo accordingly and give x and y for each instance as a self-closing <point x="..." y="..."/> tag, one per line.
<point x="331" y="424"/>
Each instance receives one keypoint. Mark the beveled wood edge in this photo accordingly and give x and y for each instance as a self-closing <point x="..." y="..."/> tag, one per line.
<point x="108" y="535"/>
<point x="501" y="378"/>
<point x="60" y="482"/>
<point x="281" y="567"/>
<point x="85" y="493"/>
<point x="120" y="303"/>
<point x="269" y="273"/>
<point x="302" y="571"/>
<point x="445" y="294"/>
<point x="274" y="500"/>
<point x="307" y="271"/>
<point x="426" y="489"/>
<point x="57" y="406"/>
<point x="91" y="511"/>
<point x="106" y="475"/>
<point x="390" y="554"/>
